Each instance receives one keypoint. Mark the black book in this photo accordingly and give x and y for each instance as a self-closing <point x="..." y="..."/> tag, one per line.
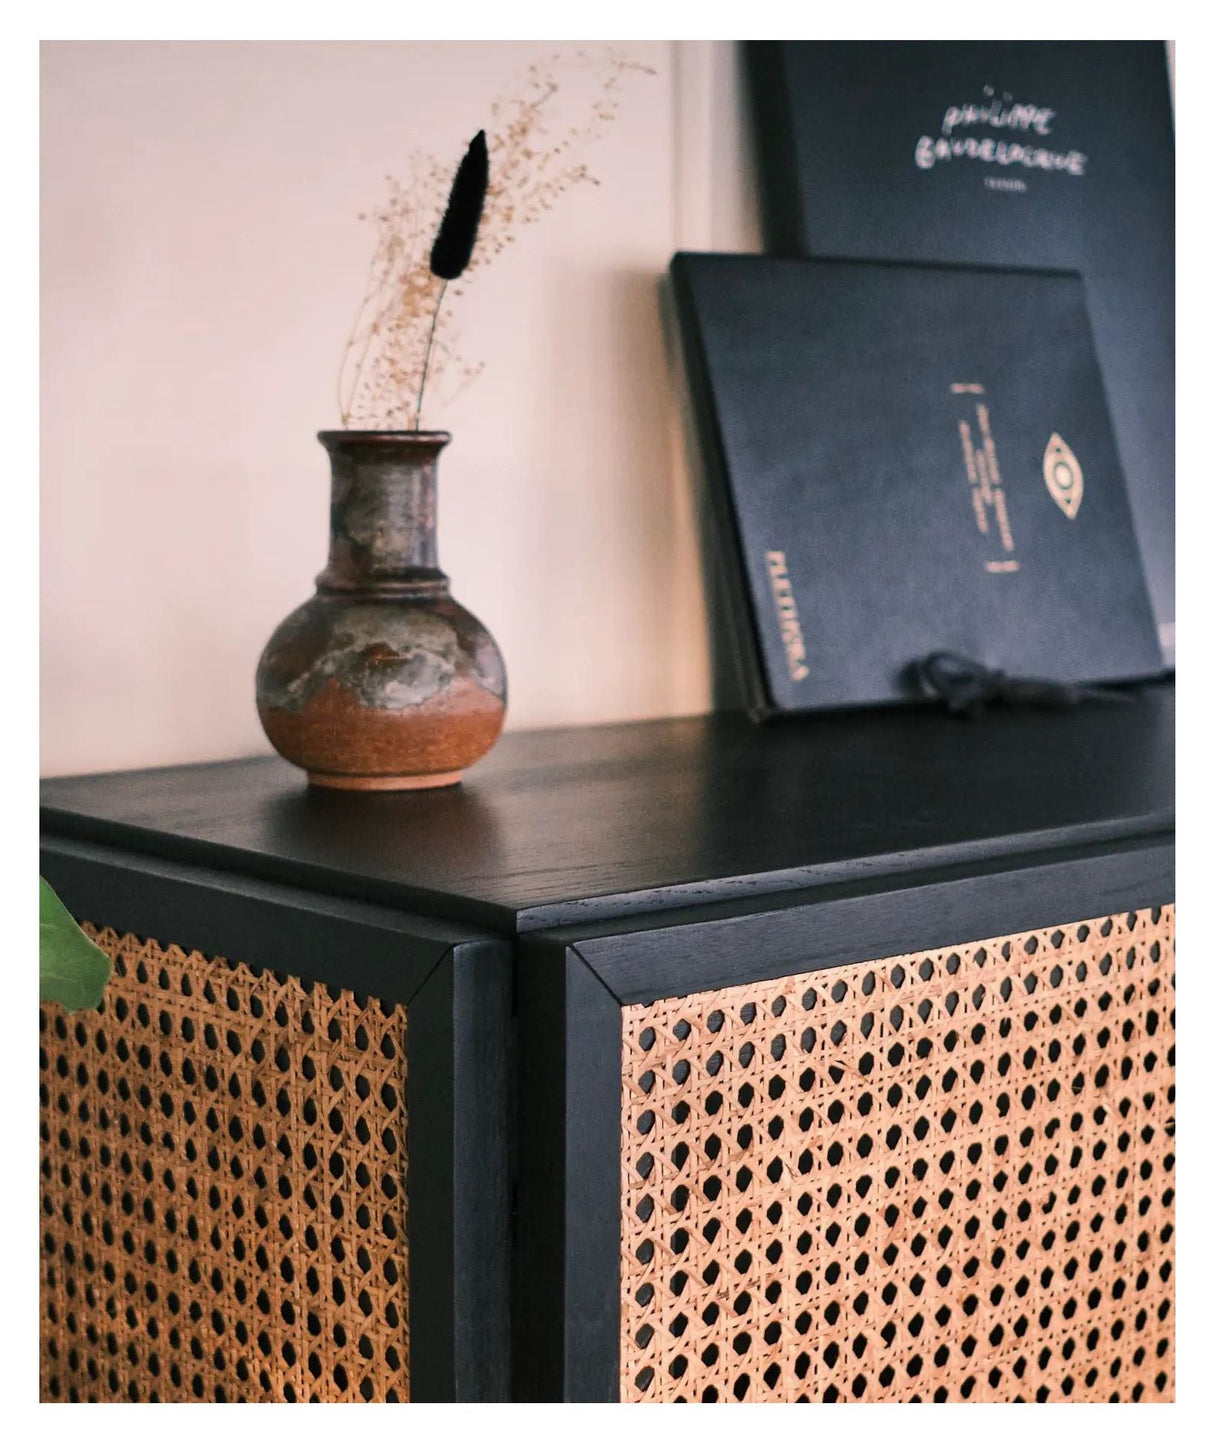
<point x="905" y="459"/>
<point x="1027" y="154"/>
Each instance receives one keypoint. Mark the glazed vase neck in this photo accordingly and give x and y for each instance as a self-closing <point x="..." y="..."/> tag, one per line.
<point x="382" y="513"/>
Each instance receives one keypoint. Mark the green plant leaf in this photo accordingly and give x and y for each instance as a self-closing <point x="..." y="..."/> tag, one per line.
<point x="71" y="969"/>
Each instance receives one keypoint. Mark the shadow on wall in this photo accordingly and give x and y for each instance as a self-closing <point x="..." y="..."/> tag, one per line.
<point x="618" y="533"/>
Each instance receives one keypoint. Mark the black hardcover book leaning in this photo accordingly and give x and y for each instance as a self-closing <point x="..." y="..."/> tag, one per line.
<point x="905" y="459"/>
<point x="1027" y="154"/>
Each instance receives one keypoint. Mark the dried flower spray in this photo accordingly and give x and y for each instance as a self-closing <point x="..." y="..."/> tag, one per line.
<point x="402" y="340"/>
<point x="456" y="238"/>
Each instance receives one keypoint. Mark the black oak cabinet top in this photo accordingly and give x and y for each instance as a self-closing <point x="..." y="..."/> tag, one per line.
<point x="567" y="826"/>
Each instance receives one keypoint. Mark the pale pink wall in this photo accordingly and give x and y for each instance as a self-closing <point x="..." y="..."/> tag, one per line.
<point x="201" y="258"/>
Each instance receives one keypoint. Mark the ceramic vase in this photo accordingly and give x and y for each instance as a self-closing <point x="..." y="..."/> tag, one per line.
<point x="382" y="680"/>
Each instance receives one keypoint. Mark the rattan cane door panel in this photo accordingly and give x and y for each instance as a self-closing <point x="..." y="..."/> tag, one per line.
<point x="223" y="1187"/>
<point x="940" y="1176"/>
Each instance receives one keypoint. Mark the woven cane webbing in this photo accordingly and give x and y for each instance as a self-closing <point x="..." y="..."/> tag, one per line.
<point x="223" y="1203"/>
<point x="943" y="1176"/>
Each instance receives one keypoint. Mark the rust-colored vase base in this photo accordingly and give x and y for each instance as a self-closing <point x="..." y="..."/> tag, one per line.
<point x="385" y="783"/>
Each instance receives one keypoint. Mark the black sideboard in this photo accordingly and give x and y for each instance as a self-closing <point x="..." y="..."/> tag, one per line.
<point x="675" y="1060"/>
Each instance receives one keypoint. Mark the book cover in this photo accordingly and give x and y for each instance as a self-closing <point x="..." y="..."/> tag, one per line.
<point x="905" y="459"/>
<point x="1026" y="154"/>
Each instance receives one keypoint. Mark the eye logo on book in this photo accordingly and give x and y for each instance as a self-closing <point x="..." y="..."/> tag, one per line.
<point x="1063" y="476"/>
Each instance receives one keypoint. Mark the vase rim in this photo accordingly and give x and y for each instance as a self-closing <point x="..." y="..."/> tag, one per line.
<point x="330" y="438"/>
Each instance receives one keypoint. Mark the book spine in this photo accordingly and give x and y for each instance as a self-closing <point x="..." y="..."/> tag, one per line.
<point x="780" y="184"/>
<point x="741" y="623"/>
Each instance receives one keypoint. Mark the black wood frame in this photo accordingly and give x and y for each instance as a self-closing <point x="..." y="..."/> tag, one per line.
<point x="572" y="985"/>
<point x="456" y="985"/>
